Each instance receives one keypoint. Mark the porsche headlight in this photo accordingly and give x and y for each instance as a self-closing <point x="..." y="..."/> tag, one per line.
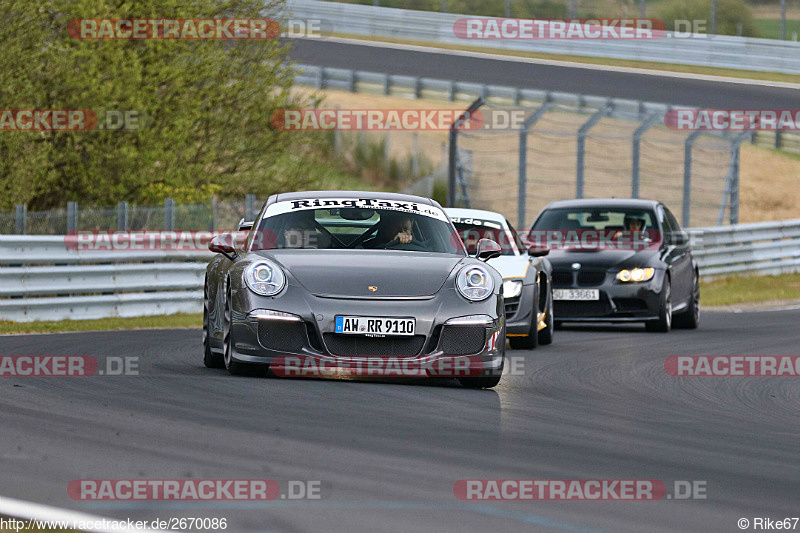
<point x="636" y="274"/>
<point x="474" y="282"/>
<point x="512" y="288"/>
<point x="264" y="278"/>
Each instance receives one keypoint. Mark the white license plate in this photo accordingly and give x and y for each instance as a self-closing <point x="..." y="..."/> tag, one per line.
<point x="576" y="294"/>
<point x="369" y="325"/>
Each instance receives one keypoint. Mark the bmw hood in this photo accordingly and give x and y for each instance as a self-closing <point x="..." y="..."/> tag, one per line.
<point x="602" y="260"/>
<point x="367" y="274"/>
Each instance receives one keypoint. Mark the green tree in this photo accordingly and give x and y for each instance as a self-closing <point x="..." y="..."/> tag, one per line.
<point x="729" y="14"/>
<point x="208" y="105"/>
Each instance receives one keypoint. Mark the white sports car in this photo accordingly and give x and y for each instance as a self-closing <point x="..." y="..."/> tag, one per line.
<point x="526" y="273"/>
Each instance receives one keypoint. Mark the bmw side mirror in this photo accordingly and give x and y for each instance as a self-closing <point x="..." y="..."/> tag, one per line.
<point x="538" y="252"/>
<point x="488" y="249"/>
<point x="224" y="244"/>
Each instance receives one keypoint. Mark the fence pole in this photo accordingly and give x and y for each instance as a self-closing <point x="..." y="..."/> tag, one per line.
<point x="213" y="212"/>
<point x="122" y="216"/>
<point x="647" y="123"/>
<point x="21" y="219"/>
<point x="522" y="187"/>
<point x="687" y="177"/>
<point x="453" y="137"/>
<point x="582" y="132"/>
<point x="736" y="145"/>
<point x="72" y="216"/>
<point x="169" y="214"/>
<point x="778" y="139"/>
<point x="249" y="206"/>
<point x="387" y="147"/>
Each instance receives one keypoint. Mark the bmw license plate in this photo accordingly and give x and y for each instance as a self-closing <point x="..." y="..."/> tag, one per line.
<point x="369" y="325"/>
<point x="576" y="294"/>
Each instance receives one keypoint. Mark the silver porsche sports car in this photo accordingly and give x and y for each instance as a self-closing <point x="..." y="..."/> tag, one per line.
<point x="339" y="282"/>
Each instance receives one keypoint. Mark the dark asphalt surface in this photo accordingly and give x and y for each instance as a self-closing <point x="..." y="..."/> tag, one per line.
<point x="682" y="91"/>
<point x="595" y="404"/>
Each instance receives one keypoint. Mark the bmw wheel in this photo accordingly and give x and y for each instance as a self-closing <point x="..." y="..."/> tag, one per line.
<point x="664" y="321"/>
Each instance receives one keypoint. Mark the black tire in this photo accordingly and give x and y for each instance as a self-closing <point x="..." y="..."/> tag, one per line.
<point x="664" y="321"/>
<point x="531" y="340"/>
<point x="690" y="319"/>
<point x="558" y="325"/>
<point x="234" y="367"/>
<point x="210" y="359"/>
<point x="546" y="335"/>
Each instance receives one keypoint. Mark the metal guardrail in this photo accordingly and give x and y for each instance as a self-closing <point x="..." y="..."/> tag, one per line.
<point x="720" y="51"/>
<point x="44" y="280"/>
<point x="758" y="248"/>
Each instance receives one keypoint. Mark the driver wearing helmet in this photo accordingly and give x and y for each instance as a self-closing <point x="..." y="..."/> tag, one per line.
<point x="393" y="226"/>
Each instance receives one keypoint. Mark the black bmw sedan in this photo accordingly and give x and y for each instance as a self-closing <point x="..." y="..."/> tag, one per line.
<point x="619" y="260"/>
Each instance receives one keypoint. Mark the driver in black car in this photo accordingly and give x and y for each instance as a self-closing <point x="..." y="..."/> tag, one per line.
<point x="392" y="227"/>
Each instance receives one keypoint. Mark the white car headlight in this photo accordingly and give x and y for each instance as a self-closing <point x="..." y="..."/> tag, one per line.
<point x="264" y="278"/>
<point x="474" y="282"/>
<point x="636" y="274"/>
<point x="512" y="288"/>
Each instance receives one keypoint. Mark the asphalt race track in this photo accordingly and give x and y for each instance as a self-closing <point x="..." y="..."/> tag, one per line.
<point x="647" y="87"/>
<point x="595" y="404"/>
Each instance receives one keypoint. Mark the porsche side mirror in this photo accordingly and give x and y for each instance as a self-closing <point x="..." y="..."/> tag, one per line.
<point x="538" y="252"/>
<point x="246" y="225"/>
<point x="224" y="244"/>
<point x="488" y="249"/>
<point x="679" y="238"/>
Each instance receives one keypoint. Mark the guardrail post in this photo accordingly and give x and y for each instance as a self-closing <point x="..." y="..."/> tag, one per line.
<point x="21" y="219"/>
<point x="453" y="137"/>
<point x="522" y="186"/>
<point x="687" y="177"/>
<point x="122" y="216"/>
<point x="647" y="123"/>
<point x="387" y="147"/>
<point x="452" y="89"/>
<point x="778" y="139"/>
<point x="582" y="132"/>
<point x="387" y="84"/>
<point x="249" y="206"/>
<point x="72" y="216"/>
<point x="321" y="78"/>
<point x="352" y="81"/>
<point x="417" y="88"/>
<point x="169" y="214"/>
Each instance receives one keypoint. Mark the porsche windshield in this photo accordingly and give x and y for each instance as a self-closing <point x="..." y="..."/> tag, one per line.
<point x="356" y="228"/>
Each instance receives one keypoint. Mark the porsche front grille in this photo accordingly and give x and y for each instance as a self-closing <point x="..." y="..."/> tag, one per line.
<point x="357" y="345"/>
<point x="462" y="340"/>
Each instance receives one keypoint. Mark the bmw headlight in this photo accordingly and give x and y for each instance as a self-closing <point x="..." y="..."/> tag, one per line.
<point x="475" y="283"/>
<point x="636" y="274"/>
<point x="264" y="278"/>
<point x="512" y="288"/>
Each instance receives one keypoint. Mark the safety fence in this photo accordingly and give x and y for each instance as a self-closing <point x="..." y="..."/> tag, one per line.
<point x="42" y="278"/>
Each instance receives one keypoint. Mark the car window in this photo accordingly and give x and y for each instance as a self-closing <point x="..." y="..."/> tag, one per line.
<point x="472" y="229"/>
<point x="349" y="228"/>
<point x="593" y="218"/>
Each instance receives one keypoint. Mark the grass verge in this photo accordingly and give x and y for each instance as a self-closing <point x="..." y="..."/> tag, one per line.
<point x="750" y="289"/>
<point x="648" y="65"/>
<point x="102" y="324"/>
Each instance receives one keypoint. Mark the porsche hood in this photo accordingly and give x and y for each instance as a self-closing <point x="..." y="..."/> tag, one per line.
<point x="367" y="274"/>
